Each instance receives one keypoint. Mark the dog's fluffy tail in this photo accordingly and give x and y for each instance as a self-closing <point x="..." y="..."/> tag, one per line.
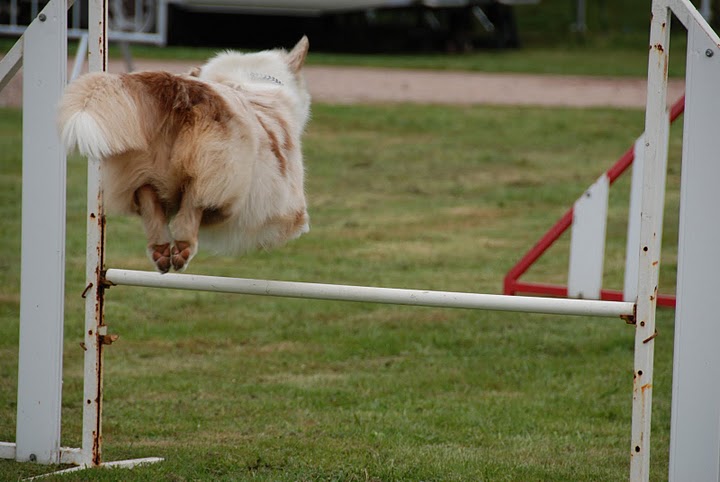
<point x="99" y="115"/>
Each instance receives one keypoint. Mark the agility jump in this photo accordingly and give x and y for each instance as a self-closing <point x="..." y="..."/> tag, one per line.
<point x="695" y="443"/>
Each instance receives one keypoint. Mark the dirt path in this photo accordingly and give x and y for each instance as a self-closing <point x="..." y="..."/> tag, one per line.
<point x="349" y="85"/>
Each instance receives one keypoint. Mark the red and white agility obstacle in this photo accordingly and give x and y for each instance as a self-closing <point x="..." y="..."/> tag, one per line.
<point x="587" y="221"/>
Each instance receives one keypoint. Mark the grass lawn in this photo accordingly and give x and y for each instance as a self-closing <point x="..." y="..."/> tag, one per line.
<point x="239" y="387"/>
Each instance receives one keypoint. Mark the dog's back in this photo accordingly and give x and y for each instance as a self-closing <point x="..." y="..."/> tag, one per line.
<point x="108" y="114"/>
<point x="224" y="143"/>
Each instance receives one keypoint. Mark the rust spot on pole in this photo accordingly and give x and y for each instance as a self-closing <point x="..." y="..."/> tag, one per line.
<point x="96" y="448"/>
<point x="104" y="282"/>
<point x="659" y="48"/>
<point x="96" y="434"/>
<point x="87" y="288"/>
<point x="108" y="339"/>
<point x="646" y="340"/>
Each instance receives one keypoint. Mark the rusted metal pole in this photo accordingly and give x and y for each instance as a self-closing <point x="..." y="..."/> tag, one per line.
<point x="94" y="292"/>
<point x="650" y="225"/>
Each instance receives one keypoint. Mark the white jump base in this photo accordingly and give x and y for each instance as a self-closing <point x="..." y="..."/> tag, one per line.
<point x="395" y="296"/>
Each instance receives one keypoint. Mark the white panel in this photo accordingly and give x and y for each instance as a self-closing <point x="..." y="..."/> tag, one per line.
<point x="632" y="246"/>
<point x="587" y="243"/>
<point x="695" y="431"/>
<point x="43" y="241"/>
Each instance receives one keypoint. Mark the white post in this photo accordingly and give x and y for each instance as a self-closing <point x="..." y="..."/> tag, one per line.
<point x="649" y="254"/>
<point x="632" y="254"/>
<point x="43" y="240"/>
<point x="587" y="241"/>
<point x="695" y="426"/>
<point x="94" y="324"/>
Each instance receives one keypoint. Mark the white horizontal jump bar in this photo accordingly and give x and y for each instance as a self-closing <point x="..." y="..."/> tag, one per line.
<point x="320" y="291"/>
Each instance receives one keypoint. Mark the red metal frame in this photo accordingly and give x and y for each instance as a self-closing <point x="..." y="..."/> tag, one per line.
<point x="512" y="285"/>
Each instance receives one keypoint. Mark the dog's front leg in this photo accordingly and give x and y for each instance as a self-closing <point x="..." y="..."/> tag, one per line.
<point x="185" y="227"/>
<point x="155" y="222"/>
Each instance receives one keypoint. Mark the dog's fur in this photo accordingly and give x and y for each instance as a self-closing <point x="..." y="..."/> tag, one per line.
<point x="216" y="152"/>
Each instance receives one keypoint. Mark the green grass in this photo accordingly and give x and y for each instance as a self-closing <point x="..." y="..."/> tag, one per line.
<point x="239" y="387"/>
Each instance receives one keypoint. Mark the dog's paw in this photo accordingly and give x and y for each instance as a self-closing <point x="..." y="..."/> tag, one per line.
<point x="182" y="253"/>
<point x="160" y="255"/>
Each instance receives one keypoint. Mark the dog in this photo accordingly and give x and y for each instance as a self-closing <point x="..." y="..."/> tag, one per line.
<point x="212" y="155"/>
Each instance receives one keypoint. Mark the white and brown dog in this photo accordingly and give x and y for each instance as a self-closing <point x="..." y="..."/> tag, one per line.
<point x="214" y="154"/>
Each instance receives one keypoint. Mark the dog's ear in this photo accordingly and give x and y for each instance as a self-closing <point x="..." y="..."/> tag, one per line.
<point x="296" y="57"/>
<point x="195" y="72"/>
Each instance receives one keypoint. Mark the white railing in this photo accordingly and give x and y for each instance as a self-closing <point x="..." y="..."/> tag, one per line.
<point x="371" y="294"/>
<point x="136" y="21"/>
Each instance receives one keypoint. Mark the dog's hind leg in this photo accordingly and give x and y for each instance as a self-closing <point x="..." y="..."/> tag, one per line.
<point x="155" y="222"/>
<point x="185" y="227"/>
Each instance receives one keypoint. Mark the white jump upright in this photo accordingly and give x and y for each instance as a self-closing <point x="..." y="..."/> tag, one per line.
<point x="695" y="425"/>
<point x="649" y="253"/>
<point x="695" y="430"/>
<point x="95" y="333"/>
<point x="42" y="53"/>
<point x="95" y="257"/>
<point x="42" y="283"/>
